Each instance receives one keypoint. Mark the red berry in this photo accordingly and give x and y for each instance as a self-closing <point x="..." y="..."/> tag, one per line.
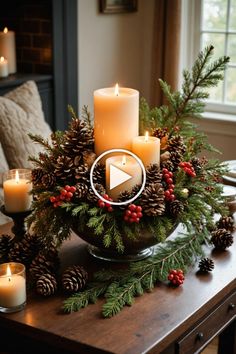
<point x="133" y="215"/>
<point x="169" y="181"/>
<point x="55" y="205"/>
<point x="132" y="220"/>
<point x="126" y="218"/>
<point x="138" y="208"/>
<point x="132" y="207"/>
<point x="166" y="175"/>
<point x="107" y="205"/>
<point x="170" y="174"/>
<point x="139" y="215"/>
<point x="57" y="197"/>
<point x="164" y="170"/>
<point x="171" y="186"/>
<point x="110" y="209"/>
<point x="72" y="189"/>
<point x="67" y="188"/>
<point x="101" y="204"/>
<point x="128" y="212"/>
<point x="62" y="197"/>
<point x="69" y="194"/>
<point x="167" y="193"/>
<point x="63" y="191"/>
<point x="182" y="164"/>
<point x="137" y="220"/>
<point x="105" y="196"/>
<point x="186" y="169"/>
<point x="52" y="199"/>
<point x="171" y="190"/>
<point x="172" y="197"/>
<point x="59" y="203"/>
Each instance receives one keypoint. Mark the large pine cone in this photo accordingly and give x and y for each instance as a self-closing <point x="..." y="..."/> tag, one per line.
<point x="46" y="285"/>
<point x="25" y="250"/>
<point x="48" y="180"/>
<point x="74" y="279"/>
<point x="222" y="239"/>
<point x="99" y="174"/>
<point x="78" y="138"/>
<point x="206" y="265"/>
<point x="5" y="246"/>
<point x="176" y="208"/>
<point x="45" y="262"/>
<point x="153" y="200"/>
<point x="226" y="222"/>
<point x="153" y="174"/>
<point x="91" y="196"/>
<point x="64" y="168"/>
<point x="81" y="190"/>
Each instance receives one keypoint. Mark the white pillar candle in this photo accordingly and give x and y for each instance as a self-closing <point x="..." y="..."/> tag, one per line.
<point x="147" y="148"/>
<point x="116" y="118"/>
<point x="8" y="49"/>
<point x="17" y="187"/>
<point x="3" y="67"/>
<point x="127" y="164"/>
<point x="12" y="286"/>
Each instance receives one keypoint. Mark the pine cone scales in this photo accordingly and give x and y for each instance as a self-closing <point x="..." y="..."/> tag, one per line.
<point x="82" y="173"/>
<point x="64" y="167"/>
<point x="25" y="250"/>
<point x="226" y="222"/>
<point x="153" y="200"/>
<point x="176" y="208"/>
<point x="153" y="174"/>
<point x="99" y="174"/>
<point x="74" y="279"/>
<point x="177" y="149"/>
<point x="206" y="265"/>
<point x="36" y="175"/>
<point x="91" y="196"/>
<point x="222" y="239"/>
<point x="81" y="190"/>
<point x="44" y="262"/>
<point x="46" y="285"/>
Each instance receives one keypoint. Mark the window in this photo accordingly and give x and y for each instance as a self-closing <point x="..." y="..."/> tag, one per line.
<point x="212" y="22"/>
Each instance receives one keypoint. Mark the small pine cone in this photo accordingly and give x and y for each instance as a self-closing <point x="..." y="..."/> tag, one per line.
<point x="48" y="180"/>
<point x="46" y="285"/>
<point x="177" y="143"/>
<point x="74" y="279"/>
<point x="206" y="265"/>
<point x="81" y="190"/>
<point x="160" y="132"/>
<point x="222" y="239"/>
<point x="176" y="208"/>
<point x="91" y="196"/>
<point x="64" y="168"/>
<point x="99" y="174"/>
<point x="153" y="200"/>
<point x="167" y="164"/>
<point x="153" y="174"/>
<point x="226" y="222"/>
<point x="89" y="157"/>
<point x="36" y="176"/>
<point x="196" y="163"/>
<point x="44" y="262"/>
<point x="82" y="173"/>
<point x="25" y="250"/>
<point x="5" y="246"/>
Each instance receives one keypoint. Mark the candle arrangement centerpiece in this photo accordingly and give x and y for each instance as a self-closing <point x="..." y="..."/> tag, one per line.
<point x="171" y="185"/>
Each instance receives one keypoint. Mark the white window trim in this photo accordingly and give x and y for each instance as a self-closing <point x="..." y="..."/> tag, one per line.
<point x="190" y="32"/>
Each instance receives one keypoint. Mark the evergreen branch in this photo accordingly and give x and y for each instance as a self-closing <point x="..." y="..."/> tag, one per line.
<point x="71" y="111"/>
<point x="86" y="115"/>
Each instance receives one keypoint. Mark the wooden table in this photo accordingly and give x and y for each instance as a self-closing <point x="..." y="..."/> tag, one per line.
<point x="168" y="320"/>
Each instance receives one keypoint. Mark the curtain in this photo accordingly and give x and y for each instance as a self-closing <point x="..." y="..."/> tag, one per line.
<point x="166" y="47"/>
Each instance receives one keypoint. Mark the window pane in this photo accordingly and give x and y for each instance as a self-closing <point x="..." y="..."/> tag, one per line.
<point x="216" y="93"/>
<point x="214" y="14"/>
<point x="231" y="86"/>
<point x="232" y="48"/>
<point x="215" y="39"/>
<point x="232" y="19"/>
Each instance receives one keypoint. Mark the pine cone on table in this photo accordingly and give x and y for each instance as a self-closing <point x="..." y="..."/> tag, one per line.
<point x="153" y="174"/>
<point x="45" y="262"/>
<point x="5" y="246"/>
<point x="25" y="250"/>
<point x="226" y="222"/>
<point x="46" y="285"/>
<point x="153" y="200"/>
<point x="206" y="265"/>
<point x="176" y="208"/>
<point x="222" y="239"/>
<point x="74" y="279"/>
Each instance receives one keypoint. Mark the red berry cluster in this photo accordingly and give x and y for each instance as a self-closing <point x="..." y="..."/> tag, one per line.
<point x="168" y="177"/>
<point x="188" y="168"/>
<point x="133" y="213"/>
<point x="176" y="277"/>
<point x="66" y="194"/>
<point x="107" y="205"/>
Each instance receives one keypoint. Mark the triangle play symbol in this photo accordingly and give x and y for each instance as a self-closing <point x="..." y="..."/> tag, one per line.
<point x="117" y="176"/>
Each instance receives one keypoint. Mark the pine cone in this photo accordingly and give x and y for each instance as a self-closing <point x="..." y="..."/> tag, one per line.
<point x="64" y="168"/>
<point x="82" y="173"/>
<point x="5" y="245"/>
<point x="45" y="262"/>
<point x="168" y="164"/>
<point x="36" y="175"/>
<point x="226" y="222"/>
<point x="206" y="265"/>
<point x="74" y="279"/>
<point x="81" y="190"/>
<point x="176" y="208"/>
<point x="88" y="158"/>
<point x="25" y="250"/>
<point x="153" y="200"/>
<point x="222" y="239"/>
<point x="153" y="174"/>
<point x="160" y="132"/>
<point x="196" y="163"/>
<point x="46" y="285"/>
<point x="91" y="196"/>
<point x="177" y="148"/>
<point x="48" y="180"/>
<point x="78" y="138"/>
<point x="99" y="174"/>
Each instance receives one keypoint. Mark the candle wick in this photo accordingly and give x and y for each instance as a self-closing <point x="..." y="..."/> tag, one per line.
<point x="9" y="279"/>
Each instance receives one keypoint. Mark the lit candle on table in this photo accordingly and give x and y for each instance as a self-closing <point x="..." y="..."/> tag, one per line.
<point x="17" y="187"/>
<point x="3" y="67"/>
<point x="8" y="48"/>
<point x="127" y="164"/>
<point x="147" y="148"/>
<point x="116" y="118"/>
<point x="12" y="287"/>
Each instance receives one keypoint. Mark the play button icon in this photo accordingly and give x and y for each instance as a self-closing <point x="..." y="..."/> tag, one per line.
<point x="117" y="177"/>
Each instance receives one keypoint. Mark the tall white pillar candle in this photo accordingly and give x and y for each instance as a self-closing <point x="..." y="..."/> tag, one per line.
<point x="8" y="49"/>
<point x="147" y="148"/>
<point x="127" y="164"/>
<point x="116" y="118"/>
<point x="3" y="67"/>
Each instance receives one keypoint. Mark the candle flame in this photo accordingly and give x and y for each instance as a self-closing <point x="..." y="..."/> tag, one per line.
<point x="2" y="59"/>
<point x="17" y="177"/>
<point x="146" y="136"/>
<point x="117" y="90"/>
<point x="124" y="160"/>
<point x="8" y="274"/>
<point x="5" y="30"/>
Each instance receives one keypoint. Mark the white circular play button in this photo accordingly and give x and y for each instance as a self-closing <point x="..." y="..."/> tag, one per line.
<point x="117" y="177"/>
